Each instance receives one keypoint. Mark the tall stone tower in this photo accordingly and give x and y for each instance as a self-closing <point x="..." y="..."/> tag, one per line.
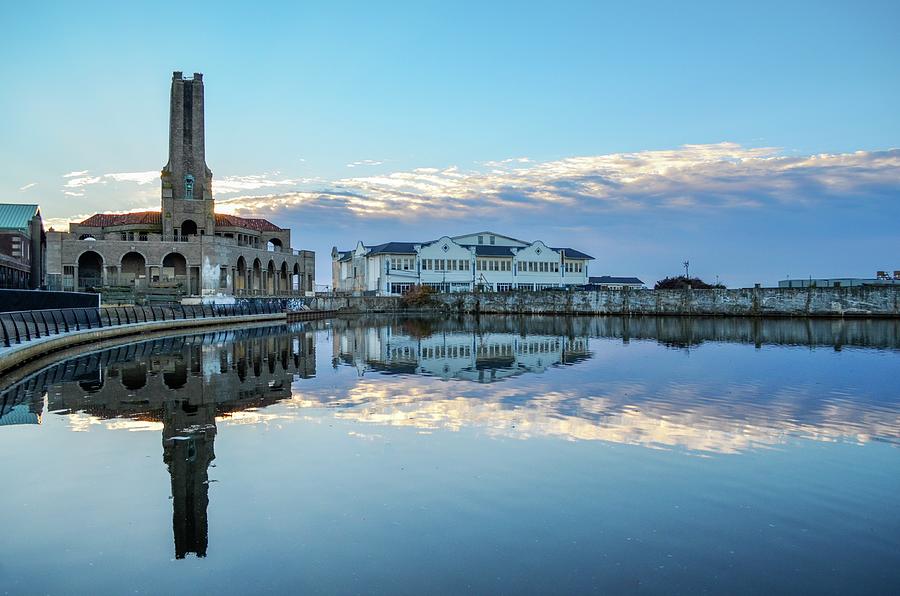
<point x="187" y="202"/>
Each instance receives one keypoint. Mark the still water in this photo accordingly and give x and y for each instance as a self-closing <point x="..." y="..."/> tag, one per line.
<point x="500" y="455"/>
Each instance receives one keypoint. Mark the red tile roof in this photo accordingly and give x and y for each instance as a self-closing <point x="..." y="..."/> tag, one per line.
<point x="152" y="218"/>
<point x="103" y="220"/>
<point x="260" y="225"/>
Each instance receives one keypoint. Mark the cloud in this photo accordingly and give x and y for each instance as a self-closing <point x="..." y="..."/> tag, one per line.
<point x="75" y="182"/>
<point x="27" y="186"/>
<point x="231" y="184"/>
<point x="136" y="177"/>
<point x="692" y="178"/>
<point x="365" y="162"/>
<point x="76" y="173"/>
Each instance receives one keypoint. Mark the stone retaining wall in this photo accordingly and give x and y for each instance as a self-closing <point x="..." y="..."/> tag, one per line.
<point x="865" y="301"/>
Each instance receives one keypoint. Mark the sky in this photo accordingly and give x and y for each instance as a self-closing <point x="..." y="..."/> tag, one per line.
<point x="758" y="140"/>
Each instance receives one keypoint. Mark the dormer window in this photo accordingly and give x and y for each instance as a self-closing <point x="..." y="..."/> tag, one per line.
<point x="493" y="239"/>
<point x="481" y="240"/>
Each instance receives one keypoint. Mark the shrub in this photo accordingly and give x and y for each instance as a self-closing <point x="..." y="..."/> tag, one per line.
<point x="681" y="283"/>
<point x="417" y="296"/>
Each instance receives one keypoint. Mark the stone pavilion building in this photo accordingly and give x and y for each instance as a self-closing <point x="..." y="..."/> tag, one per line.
<point x="185" y="244"/>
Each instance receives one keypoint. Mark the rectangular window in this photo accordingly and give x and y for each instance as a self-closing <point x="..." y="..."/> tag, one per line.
<point x="493" y="239"/>
<point x="481" y="240"/>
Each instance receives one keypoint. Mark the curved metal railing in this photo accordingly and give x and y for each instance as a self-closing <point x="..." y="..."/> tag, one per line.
<point x="22" y="326"/>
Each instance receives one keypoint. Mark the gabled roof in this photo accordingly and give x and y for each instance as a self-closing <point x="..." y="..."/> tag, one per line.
<point x="609" y="279"/>
<point x="571" y="253"/>
<point x="14" y="216"/>
<point x="393" y="248"/>
<point x="489" y="233"/>
<point x="248" y="223"/>
<point x="103" y="220"/>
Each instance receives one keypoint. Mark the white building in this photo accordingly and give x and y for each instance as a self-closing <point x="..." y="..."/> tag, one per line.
<point x="611" y="282"/>
<point x="486" y="260"/>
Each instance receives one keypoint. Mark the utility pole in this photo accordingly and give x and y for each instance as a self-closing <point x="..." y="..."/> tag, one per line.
<point x="687" y="265"/>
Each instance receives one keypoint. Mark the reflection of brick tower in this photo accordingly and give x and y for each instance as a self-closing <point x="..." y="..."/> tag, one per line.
<point x="189" y="429"/>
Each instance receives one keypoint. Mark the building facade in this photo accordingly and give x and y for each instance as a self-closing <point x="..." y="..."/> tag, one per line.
<point x="186" y="243"/>
<point x="881" y="279"/>
<point x="486" y="261"/>
<point x="22" y="241"/>
<point x="611" y="282"/>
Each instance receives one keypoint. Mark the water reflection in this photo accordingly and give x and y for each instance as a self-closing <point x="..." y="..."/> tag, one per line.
<point x="702" y="403"/>
<point x="179" y="385"/>
<point x="645" y="381"/>
<point x="483" y="351"/>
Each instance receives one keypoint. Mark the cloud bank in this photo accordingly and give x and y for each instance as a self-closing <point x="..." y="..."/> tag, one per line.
<point x="723" y="176"/>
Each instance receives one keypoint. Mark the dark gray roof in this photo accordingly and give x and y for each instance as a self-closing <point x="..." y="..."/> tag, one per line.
<point x="571" y="253"/>
<point x="491" y="251"/>
<point x="344" y="255"/>
<point x="609" y="279"/>
<point x="393" y="248"/>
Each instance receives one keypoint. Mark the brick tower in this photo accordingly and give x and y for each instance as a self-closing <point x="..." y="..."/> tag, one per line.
<point x="187" y="204"/>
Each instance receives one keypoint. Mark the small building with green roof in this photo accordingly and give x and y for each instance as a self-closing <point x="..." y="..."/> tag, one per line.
<point x="22" y="243"/>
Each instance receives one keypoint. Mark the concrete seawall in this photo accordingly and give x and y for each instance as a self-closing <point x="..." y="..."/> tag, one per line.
<point x="749" y="302"/>
<point x="20" y="353"/>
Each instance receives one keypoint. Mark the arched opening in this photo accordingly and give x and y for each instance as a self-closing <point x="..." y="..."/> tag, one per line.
<point x="91" y="385"/>
<point x="240" y="282"/>
<point x="134" y="268"/>
<point x="283" y="285"/>
<point x="86" y="237"/>
<point x="134" y="377"/>
<point x="274" y="245"/>
<point x="90" y="270"/>
<point x="189" y="227"/>
<point x="174" y="265"/>
<point x="270" y="278"/>
<point x="257" y="274"/>
<point x="296" y="284"/>
<point x="177" y="378"/>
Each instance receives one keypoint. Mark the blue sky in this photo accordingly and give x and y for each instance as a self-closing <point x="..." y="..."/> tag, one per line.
<point x="756" y="139"/>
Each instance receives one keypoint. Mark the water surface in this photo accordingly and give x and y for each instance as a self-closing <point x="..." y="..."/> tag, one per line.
<point x="501" y="455"/>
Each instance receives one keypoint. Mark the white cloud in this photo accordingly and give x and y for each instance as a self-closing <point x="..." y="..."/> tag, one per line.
<point x="365" y="162"/>
<point x="27" y="186"/>
<point x="136" y="177"/>
<point x="83" y="181"/>
<point x="231" y="184"/>
<point x="76" y="173"/>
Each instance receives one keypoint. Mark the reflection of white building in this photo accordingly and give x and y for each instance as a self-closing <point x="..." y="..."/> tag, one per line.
<point x="486" y="260"/>
<point x="481" y="357"/>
